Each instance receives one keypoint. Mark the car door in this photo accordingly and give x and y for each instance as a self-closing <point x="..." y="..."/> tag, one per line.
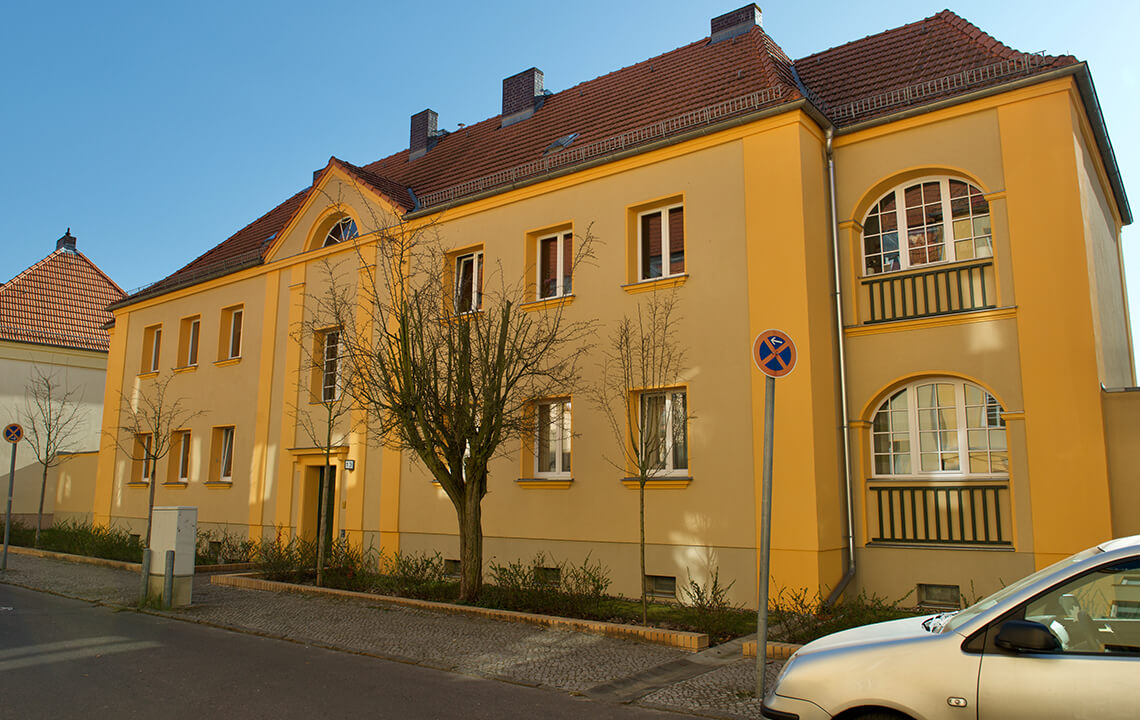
<point x="1093" y="671"/>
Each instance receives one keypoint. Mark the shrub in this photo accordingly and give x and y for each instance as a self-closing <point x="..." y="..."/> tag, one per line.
<point x="711" y="612"/>
<point x="81" y="538"/>
<point x="286" y="560"/>
<point x="417" y="575"/>
<point x="547" y="586"/>
<point x="798" y="616"/>
<point x="220" y="547"/>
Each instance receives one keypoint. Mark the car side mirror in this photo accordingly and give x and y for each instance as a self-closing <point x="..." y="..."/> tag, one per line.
<point x="1026" y="636"/>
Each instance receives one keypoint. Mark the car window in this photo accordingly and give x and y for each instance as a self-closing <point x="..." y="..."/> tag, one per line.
<point x="986" y="603"/>
<point x="1098" y="612"/>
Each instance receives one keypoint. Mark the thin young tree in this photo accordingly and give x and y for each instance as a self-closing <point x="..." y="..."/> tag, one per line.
<point x="325" y="380"/>
<point x="52" y="417"/>
<point x="148" y="419"/>
<point x="643" y="354"/>
<point x="448" y="362"/>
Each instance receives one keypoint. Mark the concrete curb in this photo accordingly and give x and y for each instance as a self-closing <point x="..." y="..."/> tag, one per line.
<point x="674" y="638"/>
<point x="776" y="650"/>
<point x="83" y="559"/>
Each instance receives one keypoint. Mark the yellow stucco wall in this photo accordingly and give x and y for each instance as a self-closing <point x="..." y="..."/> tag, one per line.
<point x="758" y="255"/>
<point x="1122" y="427"/>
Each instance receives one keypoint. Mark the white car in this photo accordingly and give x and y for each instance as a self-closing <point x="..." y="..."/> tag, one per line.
<point x="1063" y="642"/>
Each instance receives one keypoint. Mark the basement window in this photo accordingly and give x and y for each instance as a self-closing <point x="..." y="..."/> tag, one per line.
<point x="451" y="568"/>
<point x="661" y="586"/>
<point x="939" y="596"/>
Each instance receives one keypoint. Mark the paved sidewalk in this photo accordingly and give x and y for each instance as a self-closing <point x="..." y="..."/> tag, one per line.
<point x="716" y="682"/>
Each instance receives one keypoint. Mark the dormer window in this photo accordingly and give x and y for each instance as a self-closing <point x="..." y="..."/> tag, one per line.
<point x="344" y="229"/>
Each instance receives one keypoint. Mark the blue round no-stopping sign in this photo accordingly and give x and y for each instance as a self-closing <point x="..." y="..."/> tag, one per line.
<point x="774" y="353"/>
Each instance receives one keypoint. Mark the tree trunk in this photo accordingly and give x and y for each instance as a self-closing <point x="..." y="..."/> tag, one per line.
<point x="150" y="503"/>
<point x="40" y="518"/>
<point x="470" y="549"/>
<point x="644" y="599"/>
<point x="322" y="521"/>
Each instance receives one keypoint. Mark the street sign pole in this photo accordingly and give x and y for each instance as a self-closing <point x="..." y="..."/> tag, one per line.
<point x="775" y="356"/>
<point x="765" y="537"/>
<point x="8" y="513"/>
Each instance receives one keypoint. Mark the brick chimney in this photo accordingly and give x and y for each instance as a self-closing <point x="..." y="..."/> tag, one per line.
<point x="735" y="23"/>
<point x="67" y="242"/>
<point x="423" y="132"/>
<point x="522" y="95"/>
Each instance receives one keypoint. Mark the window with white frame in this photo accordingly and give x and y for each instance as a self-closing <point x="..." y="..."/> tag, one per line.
<point x="925" y="222"/>
<point x="939" y="427"/>
<point x="235" y="317"/>
<point x="143" y="449"/>
<point x="227" y="453"/>
<point x="555" y="265"/>
<point x="343" y="229"/>
<point x="188" y="340"/>
<point x="152" y="348"/>
<point x="661" y="242"/>
<point x="330" y="376"/>
<point x="183" y="446"/>
<point x="469" y="282"/>
<point x="553" y="438"/>
<point x="664" y="431"/>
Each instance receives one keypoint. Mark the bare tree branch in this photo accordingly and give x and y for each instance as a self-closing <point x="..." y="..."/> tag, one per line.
<point x="52" y="417"/>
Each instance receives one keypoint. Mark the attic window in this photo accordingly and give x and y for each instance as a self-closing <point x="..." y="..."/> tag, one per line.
<point x="560" y="144"/>
<point x="345" y="229"/>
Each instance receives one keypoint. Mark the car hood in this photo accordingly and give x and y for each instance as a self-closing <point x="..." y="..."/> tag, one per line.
<point x="879" y="632"/>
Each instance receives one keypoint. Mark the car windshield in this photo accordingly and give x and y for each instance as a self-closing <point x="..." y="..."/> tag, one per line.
<point x="959" y="619"/>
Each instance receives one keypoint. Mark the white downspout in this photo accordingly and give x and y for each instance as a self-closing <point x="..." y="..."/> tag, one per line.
<point x="850" y="573"/>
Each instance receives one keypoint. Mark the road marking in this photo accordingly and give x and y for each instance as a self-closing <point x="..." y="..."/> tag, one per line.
<point x="68" y="650"/>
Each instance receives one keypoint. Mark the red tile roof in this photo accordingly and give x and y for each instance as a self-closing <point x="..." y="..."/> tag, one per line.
<point x="870" y="78"/>
<point x="60" y="301"/>
<point x="933" y="59"/>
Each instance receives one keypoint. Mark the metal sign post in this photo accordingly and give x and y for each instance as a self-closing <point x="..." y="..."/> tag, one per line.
<point x="775" y="356"/>
<point x="13" y="434"/>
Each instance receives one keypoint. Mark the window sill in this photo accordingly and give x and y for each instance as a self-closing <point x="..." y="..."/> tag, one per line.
<point x="219" y="483"/>
<point x="138" y="483"/>
<point x="545" y="483"/>
<point x="667" y="482"/>
<point x="549" y="303"/>
<point x="176" y="484"/>
<point x="148" y="374"/>
<point x="186" y="368"/>
<point x="227" y="361"/>
<point x="673" y="281"/>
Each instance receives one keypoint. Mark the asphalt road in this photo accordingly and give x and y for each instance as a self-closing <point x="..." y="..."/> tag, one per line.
<point x="62" y="658"/>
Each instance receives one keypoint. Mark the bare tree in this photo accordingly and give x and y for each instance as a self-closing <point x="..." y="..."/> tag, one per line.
<point x="447" y="361"/>
<point x="148" y="420"/>
<point x="643" y="354"/>
<point x="52" y="416"/>
<point x="326" y="380"/>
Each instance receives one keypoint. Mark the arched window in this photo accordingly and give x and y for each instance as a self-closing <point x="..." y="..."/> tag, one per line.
<point x="344" y="229"/>
<point x="939" y="427"/>
<point x="907" y="228"/>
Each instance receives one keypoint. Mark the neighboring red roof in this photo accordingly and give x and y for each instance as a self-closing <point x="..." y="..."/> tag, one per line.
<point x="858" y="81"/>
<point x="60" y="301"/>
<point x="933" y="59"/>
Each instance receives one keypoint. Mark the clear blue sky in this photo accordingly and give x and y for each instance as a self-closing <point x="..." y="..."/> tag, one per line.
<point x="156" y="130"/>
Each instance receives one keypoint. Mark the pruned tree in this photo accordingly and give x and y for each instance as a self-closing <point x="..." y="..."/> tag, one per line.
<point x="642" y="362"/>
<point x="447" y="361"/>
<point x="326" y="381"/>
<point x="52" y="417"/>
<point x="148" y="419"/>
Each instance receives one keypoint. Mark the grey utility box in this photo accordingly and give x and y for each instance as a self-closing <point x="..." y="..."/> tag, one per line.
<point x="173" y="528"/>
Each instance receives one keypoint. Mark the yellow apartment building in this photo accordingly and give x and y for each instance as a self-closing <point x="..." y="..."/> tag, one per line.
<point x="941" y="239"/>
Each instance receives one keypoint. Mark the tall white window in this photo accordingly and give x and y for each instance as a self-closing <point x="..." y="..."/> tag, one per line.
<point x="227" y="453"/>
<point x="469" y="282"/>
<point x="184" y="456"/>
<point x="552" y="444"/>
<point x="555" y="265"/>
<point x="664" y="431"/>
<point x="192" y="342"/>
<point x="235" y="333"/>
<point x="661" y="242"/>
<point x="941" y="427"/>
<point x="144" y="444"/>
<point x="929" y="221"/>
<point x="330" y="379"/>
